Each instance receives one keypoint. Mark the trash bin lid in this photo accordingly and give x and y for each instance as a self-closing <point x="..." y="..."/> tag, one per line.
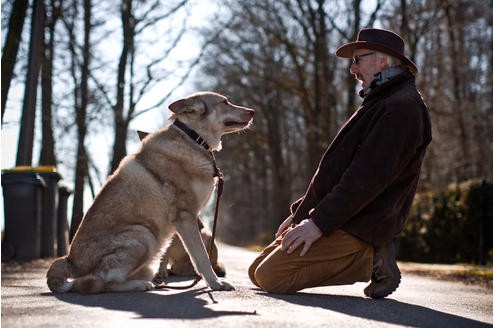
<point x="47" y="172"/>
<point x="38" y="169"/>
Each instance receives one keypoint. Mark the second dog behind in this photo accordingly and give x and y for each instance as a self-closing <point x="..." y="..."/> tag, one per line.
<point x="175" y="260"/>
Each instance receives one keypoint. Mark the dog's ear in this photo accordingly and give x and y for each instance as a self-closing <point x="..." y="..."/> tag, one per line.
<point x="192" y="104"/>
<point x="142" y="134"/>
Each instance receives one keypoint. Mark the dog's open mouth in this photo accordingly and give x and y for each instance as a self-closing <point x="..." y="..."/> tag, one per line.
<point x="233" y="126"/>
<point x="233" y="123"/>
<point x="236" y="124"/>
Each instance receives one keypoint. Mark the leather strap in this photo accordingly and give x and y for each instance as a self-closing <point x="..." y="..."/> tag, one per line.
<point x="192" y="134"/>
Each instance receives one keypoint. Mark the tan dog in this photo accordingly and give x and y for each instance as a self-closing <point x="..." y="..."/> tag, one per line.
<point x="152" y="194"/>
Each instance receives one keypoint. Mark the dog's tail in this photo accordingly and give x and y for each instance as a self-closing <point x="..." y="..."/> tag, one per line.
<point x="58" y="274"/>
<point x="59" y="279"/>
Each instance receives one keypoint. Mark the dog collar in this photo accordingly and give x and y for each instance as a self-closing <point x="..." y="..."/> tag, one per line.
<point x="192" y="134"/>
<point x="197" y="138"/>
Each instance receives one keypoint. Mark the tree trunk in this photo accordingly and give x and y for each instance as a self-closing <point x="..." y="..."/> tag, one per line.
<point x="82" y="158"/>
<point x="280" y="195"/>
<point x="26" y="134"/>
<point x="350" y="80"/>
<point x="120" y="121"/>
<point x="9" y="53"/>
<point x="47" y="155"/>
<point x="455" y="38"/>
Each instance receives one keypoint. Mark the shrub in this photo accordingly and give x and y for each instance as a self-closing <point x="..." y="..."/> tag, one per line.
<point x="449" y="226"/>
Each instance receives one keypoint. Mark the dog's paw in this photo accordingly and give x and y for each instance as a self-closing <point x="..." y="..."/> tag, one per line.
<point x="223" y="285"/>
<point x="149" y="286"/>
<point x="160" y="278"/>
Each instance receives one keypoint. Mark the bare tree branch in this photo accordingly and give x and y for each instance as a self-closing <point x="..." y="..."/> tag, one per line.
<point x="204" y="47"/>
<point x="154" y="20"/>
<point x="149" y="68"/>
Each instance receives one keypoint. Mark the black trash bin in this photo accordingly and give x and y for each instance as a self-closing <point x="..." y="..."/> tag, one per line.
<point x="62" y="223"/>
<point x="22" y="195"/>
<point x="49" y="217"/>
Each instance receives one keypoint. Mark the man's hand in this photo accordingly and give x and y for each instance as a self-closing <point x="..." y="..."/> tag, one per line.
<point x="305" y="233"/>
<point x="283" y="226"/>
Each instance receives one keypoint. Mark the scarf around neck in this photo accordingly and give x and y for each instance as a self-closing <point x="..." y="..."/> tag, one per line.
<point x="381" y="78"/>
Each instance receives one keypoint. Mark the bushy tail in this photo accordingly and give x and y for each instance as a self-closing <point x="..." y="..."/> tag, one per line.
<point x="58" y="274"/>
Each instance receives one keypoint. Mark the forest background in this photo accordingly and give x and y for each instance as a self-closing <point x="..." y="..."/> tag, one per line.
<point x="111" y="67"/>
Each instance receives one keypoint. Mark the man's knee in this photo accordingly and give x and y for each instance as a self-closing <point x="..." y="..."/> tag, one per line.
<point x="251" y="273"/>
<point x="270" y="282"/>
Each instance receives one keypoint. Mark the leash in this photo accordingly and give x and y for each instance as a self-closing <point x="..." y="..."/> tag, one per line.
<point x="220" y="181"/>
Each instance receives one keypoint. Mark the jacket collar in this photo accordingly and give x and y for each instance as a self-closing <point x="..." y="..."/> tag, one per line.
<point x="385" y="80"/>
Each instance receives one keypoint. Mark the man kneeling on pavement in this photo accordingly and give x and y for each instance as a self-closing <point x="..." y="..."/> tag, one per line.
<point x="342" y="230"/>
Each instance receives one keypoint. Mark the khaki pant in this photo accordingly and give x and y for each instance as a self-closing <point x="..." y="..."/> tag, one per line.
<point x="339" y="259"/>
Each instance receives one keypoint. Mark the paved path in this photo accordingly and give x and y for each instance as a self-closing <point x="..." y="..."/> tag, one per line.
<point x="419" y="302"/>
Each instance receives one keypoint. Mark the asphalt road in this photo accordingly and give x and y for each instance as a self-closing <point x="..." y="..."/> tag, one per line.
<point x="419" y="302"/>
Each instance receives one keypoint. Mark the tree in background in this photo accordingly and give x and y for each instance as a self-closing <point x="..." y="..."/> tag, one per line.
<point x="272" y="59"/>
<point x="80" y="67"/>
<point x="451" y="42"/>
<point x="131" y="86"/>
<point x="11" y="46"/>
<point x="274" y="56"/>
<point x="52" y="14"/>
<point x="78" y="97"/>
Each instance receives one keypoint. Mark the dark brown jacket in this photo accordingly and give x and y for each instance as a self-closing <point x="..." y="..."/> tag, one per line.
<point x="366" y="181"/>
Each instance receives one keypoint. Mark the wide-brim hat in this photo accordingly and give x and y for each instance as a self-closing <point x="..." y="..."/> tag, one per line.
<point x="381" y="40"/>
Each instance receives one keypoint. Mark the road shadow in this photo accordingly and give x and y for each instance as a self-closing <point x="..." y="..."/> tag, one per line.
<point x="159" y="304"/>
<point x="385" y="310"/>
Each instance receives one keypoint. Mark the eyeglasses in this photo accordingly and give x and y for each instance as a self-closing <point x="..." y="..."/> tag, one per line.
<point x="356" y="59"/>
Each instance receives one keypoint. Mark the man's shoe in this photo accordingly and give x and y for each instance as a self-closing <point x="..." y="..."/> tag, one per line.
<point x="386" y="274"/>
